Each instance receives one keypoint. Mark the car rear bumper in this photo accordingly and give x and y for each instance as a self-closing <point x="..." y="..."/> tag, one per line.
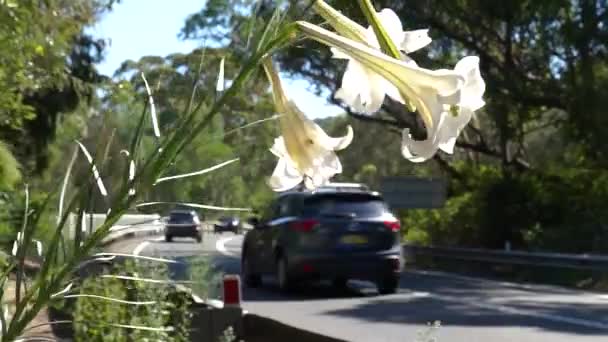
<point x="182" y="230"/>
<point x="363" y="266"/>
<point x="225" y="228"/>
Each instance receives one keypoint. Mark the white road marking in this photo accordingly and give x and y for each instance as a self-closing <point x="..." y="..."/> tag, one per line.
<point x="220" y="245"/>
<point x="139" y="248"/>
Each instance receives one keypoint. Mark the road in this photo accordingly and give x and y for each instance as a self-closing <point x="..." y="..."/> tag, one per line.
<point x="469" y="309"/>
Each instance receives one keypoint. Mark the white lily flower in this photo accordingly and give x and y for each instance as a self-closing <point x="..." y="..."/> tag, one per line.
<point x="305" y="151"/>
<point x="422" y="87"/>
<point x="450" y="114"/>
<point x="362" y="88"/>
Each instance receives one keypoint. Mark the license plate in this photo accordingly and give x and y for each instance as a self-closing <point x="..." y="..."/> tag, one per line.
<point x="353" y="240"/>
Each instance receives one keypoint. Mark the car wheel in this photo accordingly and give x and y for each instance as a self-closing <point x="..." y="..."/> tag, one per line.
<point x="388" y="285"/>
<point x="168" y="238"/>
<point x="251" y="279"/>
<point x="284" y="281"/>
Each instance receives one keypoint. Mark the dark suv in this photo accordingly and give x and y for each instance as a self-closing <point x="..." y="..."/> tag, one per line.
<point x="183" y="223"/>
<point x="335" y="234"/>
<point x="227" y="224"/>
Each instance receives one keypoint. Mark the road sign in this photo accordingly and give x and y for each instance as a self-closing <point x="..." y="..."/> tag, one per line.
<point x="413" y="192"/>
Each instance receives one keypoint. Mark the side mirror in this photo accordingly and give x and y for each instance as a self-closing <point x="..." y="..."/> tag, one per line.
<point x="254" y="222"/>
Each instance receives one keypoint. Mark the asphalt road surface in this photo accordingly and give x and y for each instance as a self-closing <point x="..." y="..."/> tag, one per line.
<point x="469" y="309"/>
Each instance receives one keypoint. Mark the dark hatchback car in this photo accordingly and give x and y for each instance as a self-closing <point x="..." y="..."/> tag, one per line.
<point x="227" y="224"/>
<point x="333" y="234"/>
<point x="183" y="223"/>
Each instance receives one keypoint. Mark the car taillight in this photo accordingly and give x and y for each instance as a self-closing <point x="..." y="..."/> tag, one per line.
<point x="304" y="225"/>
<point x="394" y="226"/>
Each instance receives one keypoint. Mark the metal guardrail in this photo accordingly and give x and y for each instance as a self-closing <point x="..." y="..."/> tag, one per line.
<point x="557" y="260"/>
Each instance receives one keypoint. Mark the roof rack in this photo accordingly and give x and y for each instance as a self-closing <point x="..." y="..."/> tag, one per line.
<point x="342" y="187"/>
<point x="330" y="187"/>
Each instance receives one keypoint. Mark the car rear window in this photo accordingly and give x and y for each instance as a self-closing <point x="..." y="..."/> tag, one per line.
<point x="180" y="217"/>
<point x="359" y="206"/>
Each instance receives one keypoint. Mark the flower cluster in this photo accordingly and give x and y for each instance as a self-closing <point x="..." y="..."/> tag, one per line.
<point x="445" y="99"/>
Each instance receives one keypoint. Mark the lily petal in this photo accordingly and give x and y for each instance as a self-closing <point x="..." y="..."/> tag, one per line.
<point x="336" y="144"/>
<point x="361" y="88"/>
<point x="391" y="23"/>
<point x="284" y="177"/>
<point x="415" y="40"/>
<point x="474" y="86"/>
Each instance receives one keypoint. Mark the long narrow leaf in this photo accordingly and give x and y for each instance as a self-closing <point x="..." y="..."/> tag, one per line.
<point x="147" y="280"/>
<point x="220" y="78"/>
<point x="194" y="205"/>
<point x="197" y="173"/>
<point x="110" y="299"/>
<point x="64" y="291"/>
<point x="64" y="187"/>
<point x="19" y="247"/>
<point x="35" y="339"/>
<point x="126" y="255"/>
<point x="98" y="179"/>
<point x="139" y="327"/>
<point x="152" y="107"/>
<point x="255" y="123"/>
<point x="196" y="79"/>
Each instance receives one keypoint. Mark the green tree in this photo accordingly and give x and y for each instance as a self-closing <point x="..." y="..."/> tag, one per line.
<point x="46" y="70"/>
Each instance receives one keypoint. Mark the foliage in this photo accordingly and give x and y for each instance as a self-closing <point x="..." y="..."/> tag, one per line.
<point x="527" y="210"/>
<point x="46" y="70"/>
<point x="9" y="168"/>
<point x="95" y="319"/>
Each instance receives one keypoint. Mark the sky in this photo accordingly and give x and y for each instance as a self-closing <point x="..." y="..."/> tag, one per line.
<point x="139" y="28"/>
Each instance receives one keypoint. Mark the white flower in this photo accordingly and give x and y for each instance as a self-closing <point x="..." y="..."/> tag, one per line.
<point x="418" y="85"/>
<point x="305" y="151"/>
<point x="450" y="114"/>
<point x="362" y="88"/>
